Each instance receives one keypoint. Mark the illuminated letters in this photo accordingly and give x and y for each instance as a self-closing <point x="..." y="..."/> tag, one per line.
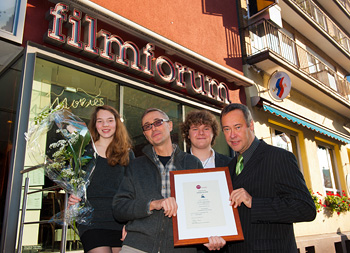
<point x="126" y="55"/>
<point x="75" y="30"/>
<point x="164" y="69"/>
<point x="59" y="15"/>
<point x="90" y="36"/>
<point x="146" y="59"/>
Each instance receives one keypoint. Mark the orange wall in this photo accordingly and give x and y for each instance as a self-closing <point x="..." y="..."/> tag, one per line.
<point x="207" y="27"/>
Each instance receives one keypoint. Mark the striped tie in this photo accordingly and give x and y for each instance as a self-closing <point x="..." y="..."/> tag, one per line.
<point x="239" y="165"/>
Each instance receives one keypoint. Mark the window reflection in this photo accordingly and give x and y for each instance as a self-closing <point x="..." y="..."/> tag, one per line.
<point x="327" y="166"/>
<point x="287" y="141"/>
<point x="7" y="15"/>
<point x="81" y="92"/>
<point x="10" y="83"/>
<point x="135" y="103"/>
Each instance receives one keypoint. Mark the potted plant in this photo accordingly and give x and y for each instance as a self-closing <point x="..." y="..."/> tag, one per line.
<point x="337" y="203"/>
<point x="317" y="200"/>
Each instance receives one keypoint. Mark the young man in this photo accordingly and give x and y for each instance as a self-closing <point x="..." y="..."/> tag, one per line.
<point x="199" y="131"/>
<point x="269" y="189"/>
<point x="143" y="199"/>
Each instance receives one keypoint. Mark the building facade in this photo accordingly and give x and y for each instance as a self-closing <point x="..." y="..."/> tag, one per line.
<point x="128" y="54"/>
<point x="298" y="54"/>
<point x="178" y="56"/>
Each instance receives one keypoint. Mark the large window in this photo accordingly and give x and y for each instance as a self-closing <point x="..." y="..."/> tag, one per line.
<point x="136" y="102"/>
<point x="81" y="92"/>
<point x="10" y="83"/>
<point x="328" y="168"/>
<point x="287" y="140"/>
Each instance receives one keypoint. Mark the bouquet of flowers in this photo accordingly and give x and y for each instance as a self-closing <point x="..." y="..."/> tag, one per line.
<point x="66" y="161"/>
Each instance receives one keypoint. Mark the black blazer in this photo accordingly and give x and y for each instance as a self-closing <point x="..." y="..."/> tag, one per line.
<point x="221" y="160"/>
<point x="280" y="198"/>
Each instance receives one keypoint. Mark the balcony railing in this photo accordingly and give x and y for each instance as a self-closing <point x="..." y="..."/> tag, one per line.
<point x="346" y="4"/>
<point x="313" y="11"/>
<point x="266" y="37"/>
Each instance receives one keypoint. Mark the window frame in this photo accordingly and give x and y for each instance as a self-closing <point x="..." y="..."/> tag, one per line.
<point x="336" y="184"/>
<point x="289" y="133"/>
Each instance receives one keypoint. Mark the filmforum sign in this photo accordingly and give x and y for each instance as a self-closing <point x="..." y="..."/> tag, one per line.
<point x="126" y="55"/>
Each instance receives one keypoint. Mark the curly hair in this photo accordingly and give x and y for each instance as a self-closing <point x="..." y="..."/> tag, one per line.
<point x="118" y="150"/>
<point x="196" y="118"/>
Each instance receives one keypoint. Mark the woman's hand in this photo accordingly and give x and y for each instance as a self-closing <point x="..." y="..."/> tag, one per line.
<point x="124" y="233"/>
<point x="72" y="200"/>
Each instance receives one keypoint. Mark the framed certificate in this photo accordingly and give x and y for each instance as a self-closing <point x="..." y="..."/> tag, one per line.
<point x="202" y="196"/>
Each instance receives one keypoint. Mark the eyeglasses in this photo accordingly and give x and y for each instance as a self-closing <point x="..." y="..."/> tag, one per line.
<point x="156" y="123"/>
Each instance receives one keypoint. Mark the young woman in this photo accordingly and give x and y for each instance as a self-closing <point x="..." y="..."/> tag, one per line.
<point x="113" y="147"/>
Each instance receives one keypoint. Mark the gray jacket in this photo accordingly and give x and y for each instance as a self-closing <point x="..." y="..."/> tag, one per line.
<point x="148" y="231"/>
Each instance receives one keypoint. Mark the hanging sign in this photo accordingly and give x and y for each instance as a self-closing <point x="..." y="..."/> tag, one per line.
<point x="279" y="85"/>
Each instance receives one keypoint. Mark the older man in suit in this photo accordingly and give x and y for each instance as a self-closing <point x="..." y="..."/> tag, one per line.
<point x="269" y="189"/>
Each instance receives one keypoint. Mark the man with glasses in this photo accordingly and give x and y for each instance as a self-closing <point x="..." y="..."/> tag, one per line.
<point x="143" y="199"/>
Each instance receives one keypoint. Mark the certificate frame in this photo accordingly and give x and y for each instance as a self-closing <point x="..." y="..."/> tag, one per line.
<point x="189" y="231"/>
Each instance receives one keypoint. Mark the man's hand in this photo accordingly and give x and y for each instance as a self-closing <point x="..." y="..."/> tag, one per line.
<point x="168" y="205"/>
<point x="215" y="243"/>
<point x="240" y="196"/>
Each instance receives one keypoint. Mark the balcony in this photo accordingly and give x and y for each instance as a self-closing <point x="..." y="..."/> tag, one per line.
<point x="339" y="10"/>
<point x="325" y="22"/>
<point x="306" y="17"/>
<point x="345" y="4"/>
<point x="269" y="49"/>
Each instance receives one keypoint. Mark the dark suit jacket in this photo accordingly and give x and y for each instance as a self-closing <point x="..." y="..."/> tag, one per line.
<point x="279" y="198"/>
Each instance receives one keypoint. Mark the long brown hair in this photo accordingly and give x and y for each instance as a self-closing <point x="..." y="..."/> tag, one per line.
<point x="118" y="150"/>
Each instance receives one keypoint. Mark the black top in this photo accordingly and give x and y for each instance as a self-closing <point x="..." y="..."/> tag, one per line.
<point x="164" y="159"/>
<point x="104" y="184"/>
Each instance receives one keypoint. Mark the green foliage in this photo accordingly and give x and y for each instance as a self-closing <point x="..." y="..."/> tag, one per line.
<point x="45" y="113"/>
<point x="317" y="200"/>
<point x="337" y="203"/>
